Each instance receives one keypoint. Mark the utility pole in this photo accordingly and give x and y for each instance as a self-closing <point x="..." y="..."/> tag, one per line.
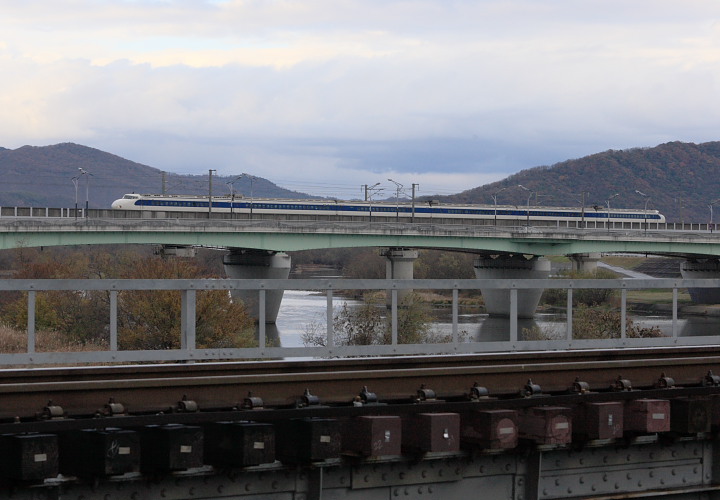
<point x="412" y="216"/>
<point x="582" y="198"/>
<point x="368" y="196"/>
<point x="164" y="183"/>
<point x="210" y="174"/>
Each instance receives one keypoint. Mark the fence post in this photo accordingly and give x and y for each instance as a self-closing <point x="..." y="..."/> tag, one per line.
<point x="329" y="317"/>
<point x="261" y="317"/>
<point x="393" y="305"/>
<point x="623" y="313"/>
<point x="113" y="320"/>
<point x="187" y="320"/>
<point x="455" y="316"/>
<point x="675" y="312"/>
<point x="570" y="313"/>
<point x="31" y="322"/>
<point x="513" y="314"/>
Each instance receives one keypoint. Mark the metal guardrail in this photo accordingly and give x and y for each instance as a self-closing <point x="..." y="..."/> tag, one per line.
<point x="11" y="225"/>
<point x="189" y="289"/>
<point x="80" y="215"/>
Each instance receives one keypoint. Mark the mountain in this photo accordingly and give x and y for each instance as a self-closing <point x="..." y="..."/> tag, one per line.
<point x="42" y="177"/>
<point x="680" y="179"/>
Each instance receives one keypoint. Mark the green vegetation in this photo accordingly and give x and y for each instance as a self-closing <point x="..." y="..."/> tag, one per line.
<point x="587" y="296"/>
<point x="595" y="323"/>
<point x="367" y="325"/>
<point x="624" y="261"/>
<point x="593" y="317"/>
<point x="146" y="319"/>
<point x="680" y="178"/>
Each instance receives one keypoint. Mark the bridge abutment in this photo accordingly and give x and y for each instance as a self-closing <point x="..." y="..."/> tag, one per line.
<point x="497" y="302"/>
<point x="399" y="266"/>
<point x="258" y="264"/>
<point x="702" y="269"/>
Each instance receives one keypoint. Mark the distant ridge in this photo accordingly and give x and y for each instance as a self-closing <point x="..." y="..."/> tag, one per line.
<point x="680" y="178"/>
<point x="42" y="176"/>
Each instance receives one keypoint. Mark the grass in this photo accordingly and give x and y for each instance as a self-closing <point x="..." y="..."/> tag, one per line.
<point x="15" y="341"/>
<point x="656" y="296"/>
<point x="624" y="261"/>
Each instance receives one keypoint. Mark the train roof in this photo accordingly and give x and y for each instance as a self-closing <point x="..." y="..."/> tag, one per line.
<point x="588" y="208"/>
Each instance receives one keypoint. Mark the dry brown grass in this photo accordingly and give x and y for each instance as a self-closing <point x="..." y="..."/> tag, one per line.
<point x="15" y="341"/>
<point x="624" y="261"/>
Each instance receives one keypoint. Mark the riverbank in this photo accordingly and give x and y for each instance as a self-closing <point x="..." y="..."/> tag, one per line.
<point x="708" y="310"/>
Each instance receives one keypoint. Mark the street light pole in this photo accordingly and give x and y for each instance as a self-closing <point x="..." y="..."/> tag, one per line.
<point x="607" y="202"/>
<point x="647" y="200"/>
<point x="231" y="187"/>
<point x="76" y="181"/>
<point x="494" y="197"/>
<point x="528" y="201"/>
<point x="712" y="203"/>
<point x="87" y="189"/>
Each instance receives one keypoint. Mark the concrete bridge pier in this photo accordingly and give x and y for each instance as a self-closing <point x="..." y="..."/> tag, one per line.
<point x="702" y="269"/>
<point x="258" y="264"/>
<point x="497" y="302"/>
<point x="584" y="262"/>
<point x="399" y="266"/>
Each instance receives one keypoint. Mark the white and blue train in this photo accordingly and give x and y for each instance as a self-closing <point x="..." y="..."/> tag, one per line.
<point x="238" y="207"/>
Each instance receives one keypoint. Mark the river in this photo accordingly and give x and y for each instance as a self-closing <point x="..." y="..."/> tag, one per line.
<point x="301" y="310"/>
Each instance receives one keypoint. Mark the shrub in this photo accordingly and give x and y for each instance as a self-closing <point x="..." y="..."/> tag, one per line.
<point x="367" y="325"/>
<point x="586" y="296"/>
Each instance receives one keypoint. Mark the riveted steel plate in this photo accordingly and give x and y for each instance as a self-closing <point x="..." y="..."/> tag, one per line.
<point x="620" y="480"/>
<point x="492" y="465"/>
<point x="478" y="487"/>
<point x="622" y="456"/>
<point x="435" y="471"/>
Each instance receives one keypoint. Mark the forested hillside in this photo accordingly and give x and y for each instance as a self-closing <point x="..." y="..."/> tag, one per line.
<point x="42" y="176"/>
<point x="681" y="180"/>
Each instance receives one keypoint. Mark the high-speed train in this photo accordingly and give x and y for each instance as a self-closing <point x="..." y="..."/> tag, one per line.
<point x="385" y="210"/>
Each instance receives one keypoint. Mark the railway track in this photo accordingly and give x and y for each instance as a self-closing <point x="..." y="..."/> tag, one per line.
<point x="217" y="387"/>
<point x="242" y="429"/>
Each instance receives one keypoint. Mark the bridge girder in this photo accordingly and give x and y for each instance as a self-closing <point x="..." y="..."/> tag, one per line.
<point x="295" y="238"/>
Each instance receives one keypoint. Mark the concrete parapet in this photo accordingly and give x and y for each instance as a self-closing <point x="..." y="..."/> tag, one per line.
<point x="702" y="269"/>
<point x="497" y="302"/>
<point x="258" y="264"/>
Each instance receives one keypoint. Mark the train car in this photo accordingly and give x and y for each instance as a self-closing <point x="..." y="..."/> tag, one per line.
<point x="426" y="211"/>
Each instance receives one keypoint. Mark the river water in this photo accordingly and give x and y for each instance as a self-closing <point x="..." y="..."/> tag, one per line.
<point x="304" y="310"/>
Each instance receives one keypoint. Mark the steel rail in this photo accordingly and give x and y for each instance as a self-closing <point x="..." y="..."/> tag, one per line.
<point x="282" y="385"/>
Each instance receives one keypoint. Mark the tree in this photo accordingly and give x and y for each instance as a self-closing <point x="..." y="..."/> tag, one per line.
<point x="146" y="319"/>
<point x="585" y="296"/>
<point x="595" y="323"/>
<point x="367" y="325"/>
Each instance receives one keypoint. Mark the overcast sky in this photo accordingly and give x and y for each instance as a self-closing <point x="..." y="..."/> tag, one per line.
<point x="325" y="95"/>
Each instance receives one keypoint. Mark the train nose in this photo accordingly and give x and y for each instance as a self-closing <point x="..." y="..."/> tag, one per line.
<point x="116" y="204"/>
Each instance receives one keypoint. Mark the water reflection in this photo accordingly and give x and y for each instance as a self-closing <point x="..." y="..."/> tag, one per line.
<point x="302" y="311"/>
